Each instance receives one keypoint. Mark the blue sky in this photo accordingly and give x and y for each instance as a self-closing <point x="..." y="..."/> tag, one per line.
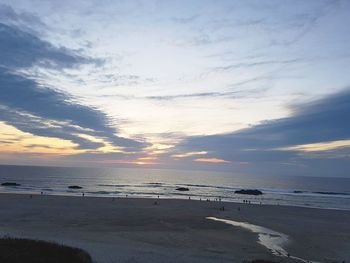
<point x="241" y="86"/>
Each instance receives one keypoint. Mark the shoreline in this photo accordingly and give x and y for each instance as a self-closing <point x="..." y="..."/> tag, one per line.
<point x="126" y="229"/>
<point x="163" y="197"/>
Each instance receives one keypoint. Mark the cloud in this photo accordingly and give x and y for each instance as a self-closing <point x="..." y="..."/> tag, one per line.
<point x="105" y="159"/>
<point x="319" y="146"/>
<point x="188" y="154"/>
<point x="114" y="80"/>
<point x="25" y="20"/>
<point x="303" y="23"/>
<point x="211" y="160"/>
<point x="256" y="64"/>
<point x="33" y="107"/>
<point x="233" y="93"/>
<point x="279" y="141"/>
<point x="184" y="20"/>
<point x="20" y="49"/>
<point x="242" y="93"/>
<point x="190" y="95"/>
<point x="278" y="24"/>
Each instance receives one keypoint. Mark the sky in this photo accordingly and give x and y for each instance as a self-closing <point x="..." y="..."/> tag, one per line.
<point x="253" y="87"/>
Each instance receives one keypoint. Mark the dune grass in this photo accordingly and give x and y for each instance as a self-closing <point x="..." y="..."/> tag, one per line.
<point x="18" y="250"/>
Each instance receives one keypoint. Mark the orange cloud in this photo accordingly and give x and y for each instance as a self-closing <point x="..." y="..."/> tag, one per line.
<point x="138" y="161"/>
<point x="211" y="160"/>
<point x="318" y="147"/>
<point x="188" y="154"/>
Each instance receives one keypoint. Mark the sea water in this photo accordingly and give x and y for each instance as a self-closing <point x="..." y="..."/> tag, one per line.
<point x="320" y="192"/>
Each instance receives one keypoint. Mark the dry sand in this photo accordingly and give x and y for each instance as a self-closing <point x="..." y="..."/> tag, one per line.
<point x="136" y="230"/>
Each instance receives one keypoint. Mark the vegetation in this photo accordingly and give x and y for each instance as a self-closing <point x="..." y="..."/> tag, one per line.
<point x="14" y="250"/>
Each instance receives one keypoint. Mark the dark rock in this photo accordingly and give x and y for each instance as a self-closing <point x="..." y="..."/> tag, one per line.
<point x="330" y="193"/>
<point x="10" y="184"/>
<point x="75" y="187"/>
<point x="249" y="192"/>
<point x="182" y="189"/>
<point x="297" y="192"/>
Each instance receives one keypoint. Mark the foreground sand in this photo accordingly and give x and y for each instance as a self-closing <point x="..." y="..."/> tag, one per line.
<point x="136" y="230"/>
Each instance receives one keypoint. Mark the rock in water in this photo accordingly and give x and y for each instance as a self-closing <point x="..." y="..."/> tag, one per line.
<point x="249" y="192"/>
<point x="182" y="189"/>
<point x="10" y="184"/>
<point x="75" y="187"/>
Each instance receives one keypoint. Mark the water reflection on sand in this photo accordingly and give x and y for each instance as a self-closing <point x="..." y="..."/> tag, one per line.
<point x="272" y="240"/>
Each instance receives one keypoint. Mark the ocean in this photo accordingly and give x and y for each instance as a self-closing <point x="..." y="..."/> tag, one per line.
<point x="318" y="192"/>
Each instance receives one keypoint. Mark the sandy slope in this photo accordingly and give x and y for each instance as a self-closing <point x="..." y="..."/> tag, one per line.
<point x="136" y="230"/>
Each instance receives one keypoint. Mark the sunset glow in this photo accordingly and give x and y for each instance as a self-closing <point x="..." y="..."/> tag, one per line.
<point x="189" y="85"/>
<point x="210" y="160"/>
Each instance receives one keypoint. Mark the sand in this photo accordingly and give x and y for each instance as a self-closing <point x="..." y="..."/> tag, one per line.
<point x="137" y="230"/>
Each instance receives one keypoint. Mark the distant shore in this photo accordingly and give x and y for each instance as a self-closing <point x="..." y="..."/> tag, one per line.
<point x="168" y="230"/>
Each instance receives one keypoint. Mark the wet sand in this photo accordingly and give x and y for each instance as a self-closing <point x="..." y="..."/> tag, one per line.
<point x="137" y="230"/>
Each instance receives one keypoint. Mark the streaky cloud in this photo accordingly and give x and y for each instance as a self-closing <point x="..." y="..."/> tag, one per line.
<point x="33" y="107"/>
<point x="257" y="63"/>
<point x="319" y="121"/>
<point x="21" y="49"/>
<point x="27" y="21"/>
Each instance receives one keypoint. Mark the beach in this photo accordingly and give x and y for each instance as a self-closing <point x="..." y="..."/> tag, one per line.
<point x="169" y="230"/>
